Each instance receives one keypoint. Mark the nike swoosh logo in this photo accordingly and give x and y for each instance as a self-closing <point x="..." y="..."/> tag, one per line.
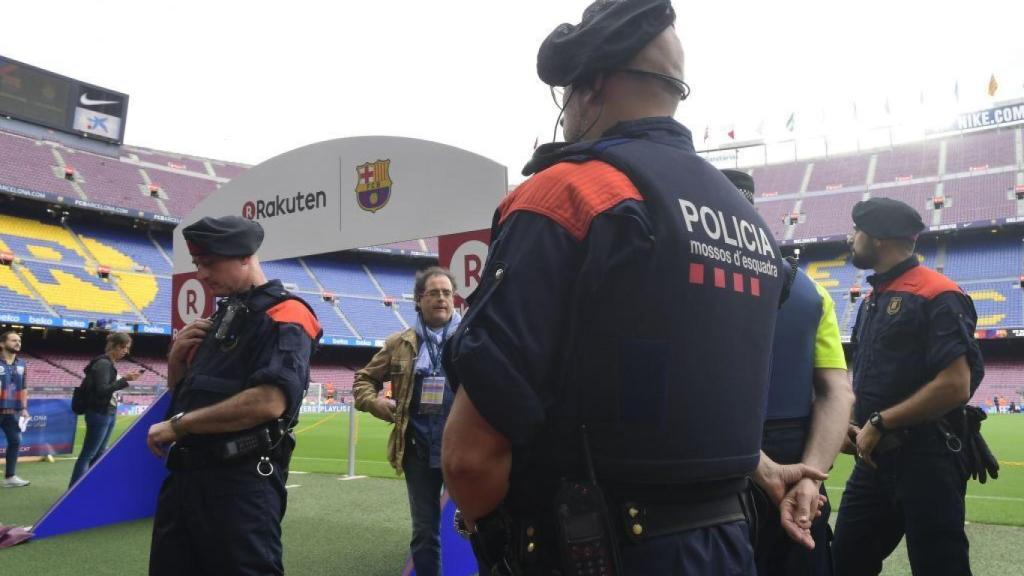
<point x="86" y="101"/>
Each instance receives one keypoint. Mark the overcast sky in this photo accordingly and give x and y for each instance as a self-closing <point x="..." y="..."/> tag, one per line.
<point x="245" y="81"/>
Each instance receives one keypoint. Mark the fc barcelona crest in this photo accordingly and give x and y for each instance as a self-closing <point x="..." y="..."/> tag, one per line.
<point x="894" y="305"/>
<point x="373" y="185"/>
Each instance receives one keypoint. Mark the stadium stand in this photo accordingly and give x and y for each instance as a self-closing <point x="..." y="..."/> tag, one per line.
<point x="986" y="256"/>
<point x="327" y="314"/>
<point x="30" y="164"/>
<point x="121" y="249"/>
<point x="228" y="171"/>
<point x="919" y="160"/>
<point x="55" y="270"/>
<point x="826" y="214"/>
<point x="336" y="376"/>
<point x="372" y="318"/>
<point x="28" y="238"/>
<point x="920" y="196"/>
<point x="980" y="150"/>
<point x="980" y="197"/>
<point x="395" y="279"/>
<point x="164" y="159"/>
<point x="43" y="372"/>
<point x="291" y="273"/>
<point x="15" y="296"/>
<point x="837" y="173"/>
<point x="1004" y="377"/>
<point x="342" y="277"/>
<point x="111" y="181"/>
<point x="998" y="302"/>
<point x="775" y="214"/>
<point x="778" y="179"/>
<point x="182" y="192"/>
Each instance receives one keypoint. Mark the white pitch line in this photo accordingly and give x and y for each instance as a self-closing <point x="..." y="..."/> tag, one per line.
<point x="972" y="496"/>
<point x="351" y="477"/>
<point x="293" y="486"/>
<point x="334" y="459"/>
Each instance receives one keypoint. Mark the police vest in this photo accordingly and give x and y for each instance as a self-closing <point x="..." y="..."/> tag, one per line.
<point x="222" y="365"/>
<point x="674" y="393"/>
<point x="791" y="388"/>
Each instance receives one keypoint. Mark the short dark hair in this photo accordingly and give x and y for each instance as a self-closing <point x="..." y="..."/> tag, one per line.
<point x="118" y="340"/>
<point x="5" y="334"/>
<point x="422" y="276"/>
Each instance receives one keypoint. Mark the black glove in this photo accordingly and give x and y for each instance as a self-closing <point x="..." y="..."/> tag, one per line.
<point x="981" y="461"/>
<point x="986" y="461"/>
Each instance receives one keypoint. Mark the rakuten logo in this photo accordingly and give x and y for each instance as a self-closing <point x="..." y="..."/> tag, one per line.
<point x="280" y="205"/>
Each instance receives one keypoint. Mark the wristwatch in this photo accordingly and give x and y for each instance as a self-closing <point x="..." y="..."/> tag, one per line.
<point x="175" y="426"/>
<point x="460" y="525"/>
<point x="876" y="420"/>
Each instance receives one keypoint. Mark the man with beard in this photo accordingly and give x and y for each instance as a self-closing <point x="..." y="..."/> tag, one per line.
<point x="915" y="366"/>
<point x="13" y="403"/>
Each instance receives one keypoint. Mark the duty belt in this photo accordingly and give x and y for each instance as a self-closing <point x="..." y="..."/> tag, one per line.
<point x="224" y="453"/>
<point x="640" y="522"/>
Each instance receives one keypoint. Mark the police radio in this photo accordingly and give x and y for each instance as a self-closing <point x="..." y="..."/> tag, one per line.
<point x="584" y="526"/>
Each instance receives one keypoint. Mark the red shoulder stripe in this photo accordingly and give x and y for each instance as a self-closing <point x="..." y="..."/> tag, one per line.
<point x="294" y="312"/>
<point x="571" y="194"/>
<point x="923" y="282"/>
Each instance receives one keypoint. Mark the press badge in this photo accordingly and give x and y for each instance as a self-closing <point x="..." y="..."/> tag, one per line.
<point x="432" y="394"/>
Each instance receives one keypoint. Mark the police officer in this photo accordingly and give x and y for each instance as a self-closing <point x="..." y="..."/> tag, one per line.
<point x="619" y="342"/>
<point x="915" y="365"/>
<point x="238" y="379"/>
<point x="809" y="398"/>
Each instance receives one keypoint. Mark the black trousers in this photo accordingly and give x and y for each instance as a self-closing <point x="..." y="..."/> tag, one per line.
<point x="219" y="521"/>
<point x="918" y="490"/>
<point x="776" y="553"/>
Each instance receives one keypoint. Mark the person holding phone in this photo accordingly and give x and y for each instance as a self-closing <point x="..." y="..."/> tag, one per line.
<point x="102" y="382"/>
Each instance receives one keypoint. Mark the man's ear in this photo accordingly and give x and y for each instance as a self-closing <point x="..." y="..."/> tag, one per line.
<point x="596" y="87"/>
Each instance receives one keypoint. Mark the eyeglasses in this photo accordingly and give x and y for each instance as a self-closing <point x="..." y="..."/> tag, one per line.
<point x="436" y="293"/>
<point x="678" y="85"/>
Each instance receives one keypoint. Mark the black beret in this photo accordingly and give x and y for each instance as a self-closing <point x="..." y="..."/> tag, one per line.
<point x="610" y="34"/>
<point x="224" y="236"/>
<point x="883" y="218"/>
<point x="742" y="181"/>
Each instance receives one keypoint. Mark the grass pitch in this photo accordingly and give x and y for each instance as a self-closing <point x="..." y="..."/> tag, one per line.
<point x="361" y="527"/>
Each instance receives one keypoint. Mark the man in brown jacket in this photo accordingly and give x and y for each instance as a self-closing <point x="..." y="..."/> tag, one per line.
<point x="422" y="398"/>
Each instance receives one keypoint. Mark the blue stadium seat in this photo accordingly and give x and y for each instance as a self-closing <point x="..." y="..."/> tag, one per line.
<point x="370" y="317"/>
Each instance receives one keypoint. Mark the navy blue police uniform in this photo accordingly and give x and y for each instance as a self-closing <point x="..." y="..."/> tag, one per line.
<point x="622" y="279"/>
<point x="914" y="323"/>
<point x="787" y="421"/>
<point x="617" y="302"/>
<point x="805" y="339"/>
<point x="219" y="510"/>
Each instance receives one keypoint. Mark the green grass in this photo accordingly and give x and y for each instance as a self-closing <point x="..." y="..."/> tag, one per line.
<point x="362" y="526"/>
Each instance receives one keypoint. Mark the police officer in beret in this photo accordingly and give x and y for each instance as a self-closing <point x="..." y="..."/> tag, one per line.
<point x="809" y="398"/>
<point x="915" y="365"/>
<point x="612" y="367"/>
<point x="238" y="379"/>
